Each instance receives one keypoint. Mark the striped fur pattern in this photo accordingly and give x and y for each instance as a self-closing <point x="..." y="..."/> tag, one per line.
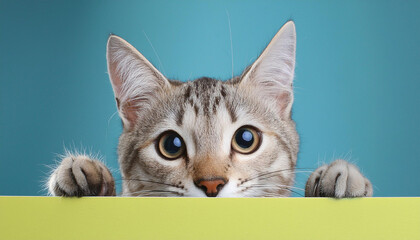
<point x="206" y="113"/>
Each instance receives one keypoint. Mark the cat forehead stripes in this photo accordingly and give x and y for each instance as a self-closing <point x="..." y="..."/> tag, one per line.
<point x="205" y="95"/>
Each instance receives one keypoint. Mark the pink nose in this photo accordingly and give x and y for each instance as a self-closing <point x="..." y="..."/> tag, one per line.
<point x="211" y="187"/>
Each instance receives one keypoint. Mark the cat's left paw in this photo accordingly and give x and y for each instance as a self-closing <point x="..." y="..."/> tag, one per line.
<point x="339" y="179"/>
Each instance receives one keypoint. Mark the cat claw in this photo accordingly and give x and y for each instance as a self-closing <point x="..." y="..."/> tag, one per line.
<point x="339" y="179"/>
<point x="78" y="176"/>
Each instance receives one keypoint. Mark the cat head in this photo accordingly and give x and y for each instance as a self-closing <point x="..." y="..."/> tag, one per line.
<point x="206" y="137"/>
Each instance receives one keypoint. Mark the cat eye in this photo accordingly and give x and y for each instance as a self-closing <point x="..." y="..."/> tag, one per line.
<point x="170" y="145"/>
<point x="246" y="140"/>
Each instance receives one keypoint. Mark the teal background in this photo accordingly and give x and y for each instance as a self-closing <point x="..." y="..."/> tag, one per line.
<point x="356" y="87"/>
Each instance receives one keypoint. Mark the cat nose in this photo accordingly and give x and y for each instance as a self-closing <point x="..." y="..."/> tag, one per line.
<point x="211" y="187"/>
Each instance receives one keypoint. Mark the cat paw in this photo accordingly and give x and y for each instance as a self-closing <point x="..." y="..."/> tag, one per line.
<point x="78" y="176"/>
<point x="339" y="179"/>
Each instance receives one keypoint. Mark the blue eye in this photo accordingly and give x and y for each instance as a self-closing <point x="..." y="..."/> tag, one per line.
<point x="171" y="145"/>
<point x="246" y="140"/>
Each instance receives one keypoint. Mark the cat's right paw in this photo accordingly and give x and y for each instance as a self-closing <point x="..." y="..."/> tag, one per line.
<point x="78" y="176"/>
<point x="340" y="179"/>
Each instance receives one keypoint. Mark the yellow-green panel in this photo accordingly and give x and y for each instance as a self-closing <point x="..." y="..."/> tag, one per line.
<point x="209" y="218"/>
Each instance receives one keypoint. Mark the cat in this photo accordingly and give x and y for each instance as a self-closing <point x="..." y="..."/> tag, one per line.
<point x="205" y="138"/>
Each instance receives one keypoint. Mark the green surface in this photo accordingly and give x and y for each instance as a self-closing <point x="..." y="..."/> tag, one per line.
<point x="205" y="218"/>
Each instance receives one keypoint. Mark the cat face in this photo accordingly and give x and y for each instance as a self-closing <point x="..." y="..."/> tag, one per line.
<point x="206" y="137"/>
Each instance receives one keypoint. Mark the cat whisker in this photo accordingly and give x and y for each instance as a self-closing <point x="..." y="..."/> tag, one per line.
<point x="265" y="173"/>
<point x="274" y="187"/>
<point x="157" y="56"/>
<point x="150" y="181"/>
<point x="163" y="191"/>
<point x="267" y="191"/>
<point x="301" y="195"/>
<point x="231" y="42"/>
<point x="151" y="195"/>
<point x="155" y="193"/>
<point x="278" y="174"/>
<point x="231" y="51"/>
<point x="281" y="188"/>
<point x="271" y="186"/>
<point x="272" y="172"/>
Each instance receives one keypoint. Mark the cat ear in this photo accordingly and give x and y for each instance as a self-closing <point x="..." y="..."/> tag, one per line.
<point x="135" y="81"/>
<point x="271" y="75"/>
